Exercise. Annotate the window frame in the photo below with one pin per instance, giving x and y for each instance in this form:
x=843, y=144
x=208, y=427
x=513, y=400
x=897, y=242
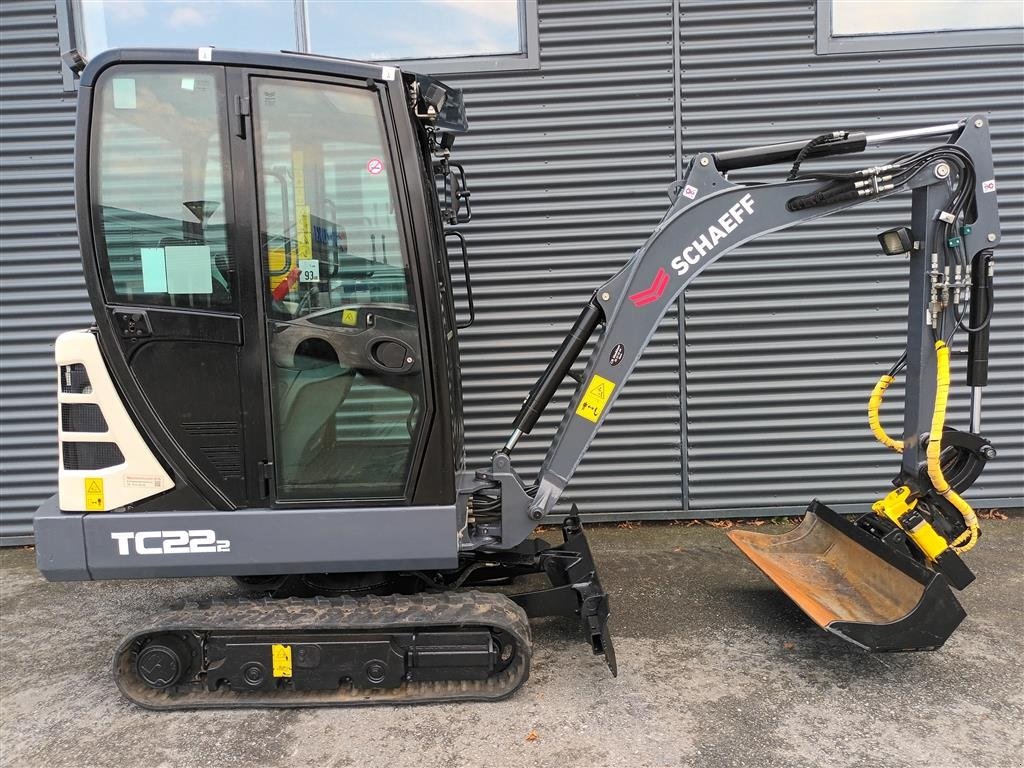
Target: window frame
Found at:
x=71, y=35
x=827, y=43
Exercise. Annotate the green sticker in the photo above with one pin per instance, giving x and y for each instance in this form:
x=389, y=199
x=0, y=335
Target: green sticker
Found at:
x=124, y=93
x=189, y=269
x=154, y=270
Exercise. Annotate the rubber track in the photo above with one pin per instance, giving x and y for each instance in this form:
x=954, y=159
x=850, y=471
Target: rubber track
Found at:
x=382, y=614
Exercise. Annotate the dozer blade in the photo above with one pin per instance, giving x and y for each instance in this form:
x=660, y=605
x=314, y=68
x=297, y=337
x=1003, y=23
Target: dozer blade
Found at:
x=854, y=585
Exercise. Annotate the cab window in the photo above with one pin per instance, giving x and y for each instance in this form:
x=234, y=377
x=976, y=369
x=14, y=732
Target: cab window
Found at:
x=343, y=331
x=159, y=175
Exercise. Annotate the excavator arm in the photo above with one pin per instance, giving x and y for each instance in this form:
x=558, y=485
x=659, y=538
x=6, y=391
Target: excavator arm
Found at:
x=953, y=215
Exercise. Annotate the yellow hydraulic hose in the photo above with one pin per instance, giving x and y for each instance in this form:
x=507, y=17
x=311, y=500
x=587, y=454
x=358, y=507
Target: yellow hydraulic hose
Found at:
x=874, y=404
x=969, y=537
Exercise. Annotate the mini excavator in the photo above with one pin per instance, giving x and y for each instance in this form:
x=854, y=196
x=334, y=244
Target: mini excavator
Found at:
x=271, y=389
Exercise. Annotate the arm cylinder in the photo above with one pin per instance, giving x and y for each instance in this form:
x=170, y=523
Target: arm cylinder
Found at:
x=981, y=313
x=785, y=152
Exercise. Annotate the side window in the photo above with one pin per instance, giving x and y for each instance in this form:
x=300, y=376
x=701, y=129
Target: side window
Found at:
x=346, y=368
x=159, y=174
x=330, y=232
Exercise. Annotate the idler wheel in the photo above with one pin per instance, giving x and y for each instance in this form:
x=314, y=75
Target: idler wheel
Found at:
x=163, y=661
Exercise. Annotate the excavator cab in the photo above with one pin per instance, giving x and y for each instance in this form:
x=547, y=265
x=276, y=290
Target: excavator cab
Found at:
x=270, y=237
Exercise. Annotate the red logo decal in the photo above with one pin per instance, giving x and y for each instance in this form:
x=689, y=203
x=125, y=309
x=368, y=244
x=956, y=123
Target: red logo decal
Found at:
x=375, y=166
x=657, y=288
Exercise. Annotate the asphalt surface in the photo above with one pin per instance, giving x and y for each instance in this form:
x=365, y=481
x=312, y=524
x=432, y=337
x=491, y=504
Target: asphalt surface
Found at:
x=716, y=668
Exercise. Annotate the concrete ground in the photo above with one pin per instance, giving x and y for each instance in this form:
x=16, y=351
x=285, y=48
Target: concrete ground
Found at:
x=716, y=668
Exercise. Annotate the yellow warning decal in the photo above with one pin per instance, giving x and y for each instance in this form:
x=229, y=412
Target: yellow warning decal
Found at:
x=349, y=316
x=303, y=232
x=282, y=660
x=94, y=494
x=299, y=177
x=599, y=390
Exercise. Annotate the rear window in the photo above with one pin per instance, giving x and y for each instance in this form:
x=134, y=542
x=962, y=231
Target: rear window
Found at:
x=159, y=174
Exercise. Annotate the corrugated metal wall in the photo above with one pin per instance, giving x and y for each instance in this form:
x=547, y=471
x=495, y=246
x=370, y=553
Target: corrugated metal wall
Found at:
x=569, y=166
x=41, y=288
x=785, y=338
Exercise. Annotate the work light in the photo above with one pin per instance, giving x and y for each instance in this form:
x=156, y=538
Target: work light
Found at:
x=896, y=241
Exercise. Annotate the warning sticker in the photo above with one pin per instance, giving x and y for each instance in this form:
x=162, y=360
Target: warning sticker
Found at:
x=599, y=390
x=304, y=233
x=94, y=494
x=689, y=191
x=299, y=178
x=349, y=317
x=374, y=166
x=281, y=656
x=988, y=186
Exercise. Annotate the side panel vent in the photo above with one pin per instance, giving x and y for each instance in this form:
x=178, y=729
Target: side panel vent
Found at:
x=82, y=417
x=74, y=380
x=211, y=427
x=91, y=455
x=226, y=459
x=104, y=462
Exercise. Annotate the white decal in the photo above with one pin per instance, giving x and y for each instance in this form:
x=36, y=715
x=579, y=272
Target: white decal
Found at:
x=689, y=191
x=142, y=481
x=169, y=542
x=988, y=186
x=309, y=270
x=388, y=73
x=725, y=224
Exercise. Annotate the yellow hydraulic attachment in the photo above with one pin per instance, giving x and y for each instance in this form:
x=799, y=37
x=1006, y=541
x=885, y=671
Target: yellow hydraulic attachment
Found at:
x=899, y=506
x=899, y=502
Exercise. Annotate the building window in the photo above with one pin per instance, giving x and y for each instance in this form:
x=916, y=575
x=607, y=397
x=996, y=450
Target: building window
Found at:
x=442, y=28
x=430, y=36
x=849, y=26
x=268, y=26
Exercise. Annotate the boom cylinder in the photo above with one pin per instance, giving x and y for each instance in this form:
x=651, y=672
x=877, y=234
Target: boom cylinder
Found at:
x=559, y=366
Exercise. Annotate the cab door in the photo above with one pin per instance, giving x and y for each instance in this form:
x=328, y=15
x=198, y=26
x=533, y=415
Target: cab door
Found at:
x=169, y=274
x=345, y=354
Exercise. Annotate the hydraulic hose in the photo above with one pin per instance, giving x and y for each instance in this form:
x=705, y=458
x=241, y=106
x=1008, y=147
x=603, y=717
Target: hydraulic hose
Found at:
x=874, y=405
x=969, y=537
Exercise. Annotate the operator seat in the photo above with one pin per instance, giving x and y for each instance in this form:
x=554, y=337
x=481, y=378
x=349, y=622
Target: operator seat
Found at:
x=310, y=393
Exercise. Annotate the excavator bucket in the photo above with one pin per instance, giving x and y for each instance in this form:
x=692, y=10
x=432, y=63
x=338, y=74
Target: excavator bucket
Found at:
x=854, y=585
